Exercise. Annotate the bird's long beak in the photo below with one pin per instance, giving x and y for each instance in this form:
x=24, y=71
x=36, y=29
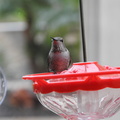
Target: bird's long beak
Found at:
x=52, y=38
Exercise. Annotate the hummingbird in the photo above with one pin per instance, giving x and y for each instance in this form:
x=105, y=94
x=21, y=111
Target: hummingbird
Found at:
x=59, y=57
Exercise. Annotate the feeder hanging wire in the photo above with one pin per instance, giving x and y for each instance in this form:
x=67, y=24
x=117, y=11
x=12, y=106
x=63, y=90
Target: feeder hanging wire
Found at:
x=82, y=30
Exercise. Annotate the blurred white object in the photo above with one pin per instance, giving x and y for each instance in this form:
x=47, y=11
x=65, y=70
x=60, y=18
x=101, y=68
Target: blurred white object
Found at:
x=2, y=86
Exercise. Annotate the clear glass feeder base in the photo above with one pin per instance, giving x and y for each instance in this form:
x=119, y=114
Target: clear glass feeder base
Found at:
x=89, y=118
x=79, y=118
x=83, y=105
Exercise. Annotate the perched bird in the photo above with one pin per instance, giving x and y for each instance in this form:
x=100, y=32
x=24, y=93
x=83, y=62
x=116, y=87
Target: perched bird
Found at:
x=59, y=56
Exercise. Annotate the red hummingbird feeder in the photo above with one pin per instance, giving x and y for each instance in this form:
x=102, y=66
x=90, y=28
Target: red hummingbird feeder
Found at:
x=89, y=76
x=86, y=91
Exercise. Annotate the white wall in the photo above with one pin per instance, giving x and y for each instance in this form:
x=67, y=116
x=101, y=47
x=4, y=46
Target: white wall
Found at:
x=102, y=21
x=91, y=18
x=110, y=32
